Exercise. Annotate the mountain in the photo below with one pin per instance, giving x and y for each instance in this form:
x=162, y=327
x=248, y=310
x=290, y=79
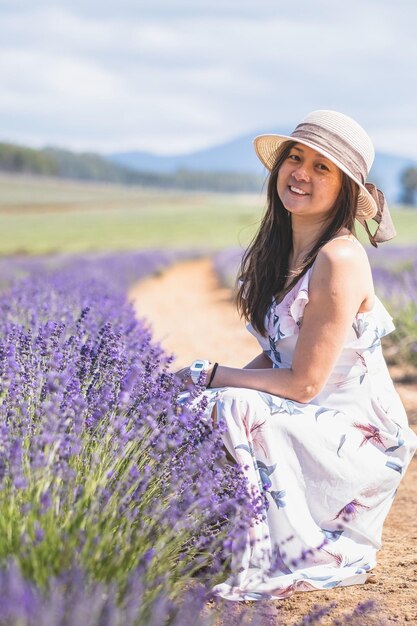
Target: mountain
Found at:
x=238, y=156
x=228, y=168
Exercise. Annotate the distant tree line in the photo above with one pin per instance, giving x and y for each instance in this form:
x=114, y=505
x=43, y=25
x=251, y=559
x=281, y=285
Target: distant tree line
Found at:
x=90, y=166
x=93, y=167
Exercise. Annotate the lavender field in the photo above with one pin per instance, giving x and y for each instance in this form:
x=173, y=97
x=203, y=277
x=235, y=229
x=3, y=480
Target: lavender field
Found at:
x=116, y=506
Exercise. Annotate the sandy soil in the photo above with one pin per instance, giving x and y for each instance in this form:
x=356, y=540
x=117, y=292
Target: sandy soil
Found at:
x=193, y=317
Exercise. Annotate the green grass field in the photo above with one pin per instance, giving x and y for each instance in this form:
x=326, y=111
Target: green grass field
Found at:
x=42, y=215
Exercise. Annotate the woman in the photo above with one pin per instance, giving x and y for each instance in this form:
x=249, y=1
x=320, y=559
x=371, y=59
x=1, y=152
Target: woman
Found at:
x=314, y=419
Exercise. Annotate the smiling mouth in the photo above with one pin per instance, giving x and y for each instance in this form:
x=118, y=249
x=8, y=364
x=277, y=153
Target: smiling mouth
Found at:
x=298, y=191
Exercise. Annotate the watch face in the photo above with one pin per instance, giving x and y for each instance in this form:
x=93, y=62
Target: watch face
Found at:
x=197, y=368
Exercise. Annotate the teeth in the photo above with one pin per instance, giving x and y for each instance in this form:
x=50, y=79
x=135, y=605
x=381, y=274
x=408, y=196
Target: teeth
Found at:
x=299, y=191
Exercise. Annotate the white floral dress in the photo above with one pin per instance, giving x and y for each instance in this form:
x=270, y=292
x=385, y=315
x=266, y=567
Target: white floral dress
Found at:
x=328, y=470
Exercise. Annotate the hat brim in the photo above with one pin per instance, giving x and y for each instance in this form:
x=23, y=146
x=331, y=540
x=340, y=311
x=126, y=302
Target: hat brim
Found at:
x=267, y=147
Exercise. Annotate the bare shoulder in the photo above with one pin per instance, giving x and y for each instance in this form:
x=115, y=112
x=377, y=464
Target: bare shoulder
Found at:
x=341, y=255
x=342, y=267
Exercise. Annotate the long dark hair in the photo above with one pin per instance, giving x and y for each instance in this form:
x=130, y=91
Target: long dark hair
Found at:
x=264, y=267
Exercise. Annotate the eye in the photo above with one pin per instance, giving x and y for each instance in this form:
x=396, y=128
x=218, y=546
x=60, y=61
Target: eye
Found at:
x=294, y=157
x=323, y=167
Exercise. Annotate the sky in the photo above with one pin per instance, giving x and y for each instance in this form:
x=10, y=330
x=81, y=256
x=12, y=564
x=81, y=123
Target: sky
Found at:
x=175, y=76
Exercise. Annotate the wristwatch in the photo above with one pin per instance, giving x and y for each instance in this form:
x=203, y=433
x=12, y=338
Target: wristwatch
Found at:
x=197, y=368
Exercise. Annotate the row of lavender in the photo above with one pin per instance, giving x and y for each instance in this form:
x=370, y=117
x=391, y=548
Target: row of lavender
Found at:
x=395, y=276
x=114, y=502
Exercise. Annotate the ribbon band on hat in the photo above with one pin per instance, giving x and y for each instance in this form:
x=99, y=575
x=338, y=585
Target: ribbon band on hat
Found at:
x=334, y=144
x=385, y=229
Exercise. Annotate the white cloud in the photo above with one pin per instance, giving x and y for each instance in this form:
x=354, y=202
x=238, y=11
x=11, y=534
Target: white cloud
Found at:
x=175, y=75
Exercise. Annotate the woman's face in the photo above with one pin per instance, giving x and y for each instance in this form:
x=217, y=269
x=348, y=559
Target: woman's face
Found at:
x=308, y=184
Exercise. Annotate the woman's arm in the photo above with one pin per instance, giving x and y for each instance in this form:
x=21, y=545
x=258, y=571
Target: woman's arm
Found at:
x=262, y=361
x=338, y=286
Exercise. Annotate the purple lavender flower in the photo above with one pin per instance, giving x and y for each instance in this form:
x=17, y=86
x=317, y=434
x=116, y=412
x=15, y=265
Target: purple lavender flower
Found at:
x=115, y=479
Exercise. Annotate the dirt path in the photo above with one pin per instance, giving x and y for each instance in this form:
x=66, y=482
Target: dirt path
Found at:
x=193, y=317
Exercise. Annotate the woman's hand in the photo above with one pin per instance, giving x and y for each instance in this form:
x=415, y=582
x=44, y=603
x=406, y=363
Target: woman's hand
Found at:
x=185, y=378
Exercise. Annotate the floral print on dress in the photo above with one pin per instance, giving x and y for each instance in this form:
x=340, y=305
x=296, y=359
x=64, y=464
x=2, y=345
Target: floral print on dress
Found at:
x=274, y=351
x=359, y=325
x=397, y=467
x=332, y=535
x=370, y=433
x=341, y=442
x=350, y=510
x=399, y=441
x=278, y=497
x=323, y=410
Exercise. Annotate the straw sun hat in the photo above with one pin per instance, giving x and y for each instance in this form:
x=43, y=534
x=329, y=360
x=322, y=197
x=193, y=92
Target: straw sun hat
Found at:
x=344, y=142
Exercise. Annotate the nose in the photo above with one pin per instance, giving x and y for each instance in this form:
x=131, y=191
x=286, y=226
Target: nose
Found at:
x=301, y=173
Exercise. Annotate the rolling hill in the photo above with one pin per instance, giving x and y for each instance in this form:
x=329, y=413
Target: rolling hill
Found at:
x=238, y=156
